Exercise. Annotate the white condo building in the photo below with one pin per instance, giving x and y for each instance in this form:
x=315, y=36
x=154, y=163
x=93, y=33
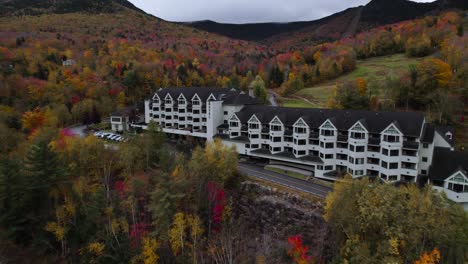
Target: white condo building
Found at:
x=393, y=146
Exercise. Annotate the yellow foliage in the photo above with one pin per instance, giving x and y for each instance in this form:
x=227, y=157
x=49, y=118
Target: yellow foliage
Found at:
x=150, y=245
x=56, y=229
x=96, y=248
x=177, y=233
x=33, y=119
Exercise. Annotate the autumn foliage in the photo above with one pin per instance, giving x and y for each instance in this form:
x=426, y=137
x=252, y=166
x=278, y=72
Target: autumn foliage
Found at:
x=298, y=251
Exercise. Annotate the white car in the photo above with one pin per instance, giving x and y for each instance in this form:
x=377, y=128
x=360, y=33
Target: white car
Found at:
x=118, y=138
x=112, y=137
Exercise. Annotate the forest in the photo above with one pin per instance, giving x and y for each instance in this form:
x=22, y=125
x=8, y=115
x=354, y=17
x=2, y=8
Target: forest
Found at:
x=66, y=199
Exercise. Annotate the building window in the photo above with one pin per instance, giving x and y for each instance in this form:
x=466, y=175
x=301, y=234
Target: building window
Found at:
x=394, y=152
x=168, y=101
x=328, y=168
x=351, y=160
x=358, y=135
x=275, y=128
x=384, y=165
x=327, y=132
x=385, y=152
x=181, y=118
x=196, y=101
x=359, y=172
x=394, y=165
x=300, y=130
x=254, y=146
x=424, y=159
x=423, y=172
x=233, y=134
x=351, y=148
x=301, y=142
x=329, y=156
x=276, y=139
x=253, y=125
x=196, y=112
x=254, y=136
x=329, y=145
x=391, y=139
x=319, y=167
x=360, y=148
x=359, y=161
x=196, y=120
x=234, y=124
x=181, y=101
x=301, y=152
x=392, y=178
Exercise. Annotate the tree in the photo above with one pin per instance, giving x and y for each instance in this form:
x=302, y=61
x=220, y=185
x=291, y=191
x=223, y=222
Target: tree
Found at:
x=177, y=233
x=380, y=223
x=258, y=86
x=293, y=84
x=298, y=251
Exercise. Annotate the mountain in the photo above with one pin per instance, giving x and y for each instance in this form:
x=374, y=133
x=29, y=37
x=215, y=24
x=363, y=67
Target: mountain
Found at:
x=260, y=31
x=38, y=7
x=350, y=21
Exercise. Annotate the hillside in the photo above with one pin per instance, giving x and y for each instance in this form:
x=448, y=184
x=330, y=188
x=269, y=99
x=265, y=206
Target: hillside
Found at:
x=38, y=7
x=342, y=24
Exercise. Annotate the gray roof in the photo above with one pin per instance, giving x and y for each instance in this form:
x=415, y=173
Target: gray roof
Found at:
x=229, y=96
x=410, y=123
x=446, y=162
x=429, y=133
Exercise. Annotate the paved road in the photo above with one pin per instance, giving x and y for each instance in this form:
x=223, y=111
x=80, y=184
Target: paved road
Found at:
x=302, y=185
x=272, y=98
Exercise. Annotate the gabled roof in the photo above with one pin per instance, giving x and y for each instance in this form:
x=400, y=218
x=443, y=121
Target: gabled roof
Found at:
x=446, y=162
x=430, y=130
x=229, y=96
x=410, y=123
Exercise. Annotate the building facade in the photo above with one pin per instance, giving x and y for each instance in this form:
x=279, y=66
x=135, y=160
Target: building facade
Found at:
x=393, y=146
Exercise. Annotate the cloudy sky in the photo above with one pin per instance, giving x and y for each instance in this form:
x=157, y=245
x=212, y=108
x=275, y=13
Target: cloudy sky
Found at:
x=246, y=11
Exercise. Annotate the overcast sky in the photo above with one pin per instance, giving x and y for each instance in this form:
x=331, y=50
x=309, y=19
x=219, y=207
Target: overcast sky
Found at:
x=246, y=11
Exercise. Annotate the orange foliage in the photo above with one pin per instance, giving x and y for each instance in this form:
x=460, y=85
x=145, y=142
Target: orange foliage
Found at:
x=33, y=119
x=432, y=257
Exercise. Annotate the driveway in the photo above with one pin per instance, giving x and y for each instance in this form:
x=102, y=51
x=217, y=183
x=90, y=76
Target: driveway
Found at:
x=78, y=130
x=285, y=180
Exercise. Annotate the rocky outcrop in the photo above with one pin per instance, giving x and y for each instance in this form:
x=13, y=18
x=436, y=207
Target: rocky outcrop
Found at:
x=278, y=214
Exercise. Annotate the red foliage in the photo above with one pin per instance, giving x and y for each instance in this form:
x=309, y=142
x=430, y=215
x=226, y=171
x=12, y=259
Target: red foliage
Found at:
x=298, y=251
x=137, y=232
x=217, y=198
x=120, y=187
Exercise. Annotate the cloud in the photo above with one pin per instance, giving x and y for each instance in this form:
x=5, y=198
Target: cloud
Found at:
x=246, y=11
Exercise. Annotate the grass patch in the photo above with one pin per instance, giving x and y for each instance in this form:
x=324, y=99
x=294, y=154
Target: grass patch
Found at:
x=292, y=102
x=378, y=69
x=286, y=172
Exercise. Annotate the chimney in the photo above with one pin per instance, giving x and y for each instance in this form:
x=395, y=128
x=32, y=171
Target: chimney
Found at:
x=251, y=92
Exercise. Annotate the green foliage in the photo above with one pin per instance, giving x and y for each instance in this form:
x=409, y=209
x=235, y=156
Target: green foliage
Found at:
x=258, y=85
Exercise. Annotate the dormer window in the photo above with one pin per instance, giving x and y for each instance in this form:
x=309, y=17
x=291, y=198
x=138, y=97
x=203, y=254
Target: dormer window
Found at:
x=448, y=135
x=168, y=100
x=276, y=125
x=196, y=101
x=234, y=124
x=156, y=100
x=300, y=127
x=181, y=101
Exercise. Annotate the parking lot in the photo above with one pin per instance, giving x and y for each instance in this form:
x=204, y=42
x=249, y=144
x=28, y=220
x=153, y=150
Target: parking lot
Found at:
x=110, y=136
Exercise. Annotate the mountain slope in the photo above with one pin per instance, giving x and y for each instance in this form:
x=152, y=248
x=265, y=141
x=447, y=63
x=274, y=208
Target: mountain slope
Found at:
x=375, y=13
x=38, y=7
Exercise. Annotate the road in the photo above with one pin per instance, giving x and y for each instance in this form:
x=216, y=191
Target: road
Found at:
x=301, y=185
x=272, y=99
x=78, y=130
